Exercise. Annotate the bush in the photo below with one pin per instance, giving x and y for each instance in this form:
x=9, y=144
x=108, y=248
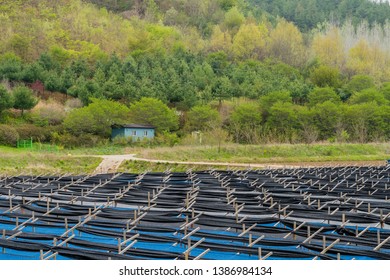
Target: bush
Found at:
x=166, y=139
x=8, y=135
x=70, y=141
x=124, y=141
x=48, y=113
x=40, y=134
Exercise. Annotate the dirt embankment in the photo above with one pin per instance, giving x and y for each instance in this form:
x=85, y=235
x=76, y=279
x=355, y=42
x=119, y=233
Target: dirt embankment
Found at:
x=111, y=163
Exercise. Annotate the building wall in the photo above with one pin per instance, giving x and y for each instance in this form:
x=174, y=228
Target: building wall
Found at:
x=139, y=133
x=136, y=133
x=117, y=132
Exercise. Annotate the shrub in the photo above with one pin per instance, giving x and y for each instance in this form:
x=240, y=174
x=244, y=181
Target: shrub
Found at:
x=48, y=113
x=40, y=134
x=71, y=141
x=8, y=135
x=165, y=138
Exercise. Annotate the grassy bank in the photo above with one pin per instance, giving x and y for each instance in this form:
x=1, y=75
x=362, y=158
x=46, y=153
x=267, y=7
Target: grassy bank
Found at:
x=17, y=161
x=131, y=166
x=283, y=153
x=20, y=161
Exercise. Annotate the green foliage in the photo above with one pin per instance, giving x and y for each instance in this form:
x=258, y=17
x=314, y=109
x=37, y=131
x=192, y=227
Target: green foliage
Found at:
x=385, y=90
x=245, y=122
x=5, y=99
x=325, y=76
x=308, y=14
x=267, y=101
x=10, y=66
x=23, y=98
x=368, y=95
x=8, y=135
x=150, y=111
x=321, y=95
x=359, y=83
x=39, y=134
x=166, y=139
x=96, y=118
x=202, y=118
x=326, y=118
x=233, y=18
x=70, y=141
x=227, y=4
x=247, y=115
x=283, y=119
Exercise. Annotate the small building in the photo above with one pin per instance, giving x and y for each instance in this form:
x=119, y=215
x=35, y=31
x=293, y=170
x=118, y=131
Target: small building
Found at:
x=135, y=131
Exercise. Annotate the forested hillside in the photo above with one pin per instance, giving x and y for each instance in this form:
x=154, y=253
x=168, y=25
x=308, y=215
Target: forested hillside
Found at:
x=262, y=71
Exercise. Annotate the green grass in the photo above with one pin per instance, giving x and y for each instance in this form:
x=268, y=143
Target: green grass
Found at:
x=283, y=153
x=23, y=161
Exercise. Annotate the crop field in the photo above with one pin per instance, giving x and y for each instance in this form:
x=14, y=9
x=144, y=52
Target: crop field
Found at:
x=304, y=213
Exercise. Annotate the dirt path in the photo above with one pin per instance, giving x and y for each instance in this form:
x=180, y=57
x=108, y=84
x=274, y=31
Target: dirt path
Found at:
x=111, y=163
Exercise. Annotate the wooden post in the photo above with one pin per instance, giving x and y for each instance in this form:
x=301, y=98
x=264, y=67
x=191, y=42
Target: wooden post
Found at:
x=185, y=228
x=236, y=213
x=378, y=236
x=17, y=221
x=323, y=242
x=188, y=246
x=41, y=254
x=369, y=208
x=66, y=224
x=295, y=226
x=382, y=222
x=148, y=199
x=259, y=253
x=3, y=234
x=119, y=245
x=338, y=256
